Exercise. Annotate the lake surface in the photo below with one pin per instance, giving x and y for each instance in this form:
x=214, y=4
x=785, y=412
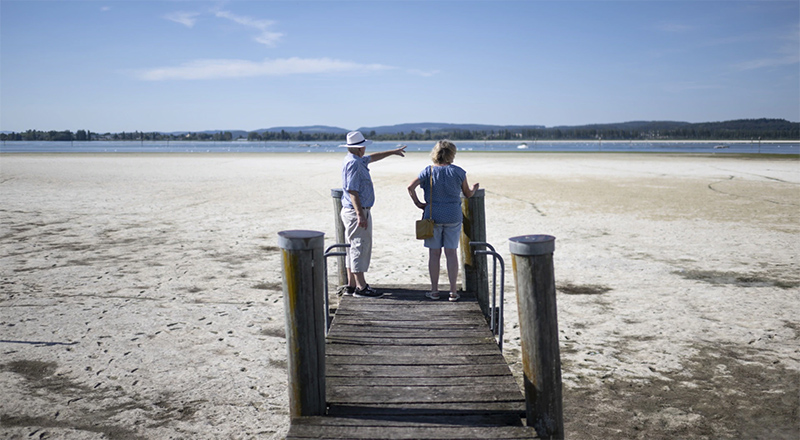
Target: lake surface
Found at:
x=332, y=147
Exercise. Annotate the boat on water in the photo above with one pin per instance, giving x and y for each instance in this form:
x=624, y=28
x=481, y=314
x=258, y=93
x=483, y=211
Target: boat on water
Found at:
x=522, y=146
x=717, y=147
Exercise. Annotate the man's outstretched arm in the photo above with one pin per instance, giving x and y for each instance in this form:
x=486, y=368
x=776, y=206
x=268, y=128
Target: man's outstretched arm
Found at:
x=374, y=157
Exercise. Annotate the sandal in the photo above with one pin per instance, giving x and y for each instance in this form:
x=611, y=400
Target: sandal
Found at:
x=432, y=295
x=454, y=296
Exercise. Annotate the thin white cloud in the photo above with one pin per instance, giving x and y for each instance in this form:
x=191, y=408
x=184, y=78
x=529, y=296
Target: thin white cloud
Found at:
x=784, y=52
x=423, y=73
x=105, y=8
x=762, y=63
x=264, y=36
x=221, y=68
x=187, y=19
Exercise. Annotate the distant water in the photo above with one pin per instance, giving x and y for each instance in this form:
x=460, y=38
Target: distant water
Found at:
x=332, y=147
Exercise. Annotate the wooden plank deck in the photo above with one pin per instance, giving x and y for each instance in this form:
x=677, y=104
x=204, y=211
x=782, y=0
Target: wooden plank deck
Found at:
x=403, y=366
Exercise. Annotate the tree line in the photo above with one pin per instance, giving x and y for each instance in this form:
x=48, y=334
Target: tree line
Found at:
x=744, y=129
x=86, y=135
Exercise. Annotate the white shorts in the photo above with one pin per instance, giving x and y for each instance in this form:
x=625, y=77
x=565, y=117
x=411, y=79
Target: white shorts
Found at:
x=360, y=239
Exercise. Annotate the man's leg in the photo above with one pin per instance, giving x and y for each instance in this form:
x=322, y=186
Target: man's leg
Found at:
x=350, y=222
x=359, y=255
x=351, y=279
x=359, y=280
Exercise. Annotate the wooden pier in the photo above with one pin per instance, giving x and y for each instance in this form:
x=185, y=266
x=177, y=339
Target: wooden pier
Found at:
x=405, y=367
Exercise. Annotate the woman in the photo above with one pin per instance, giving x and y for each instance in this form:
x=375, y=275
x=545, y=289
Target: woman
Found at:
x=449, y=182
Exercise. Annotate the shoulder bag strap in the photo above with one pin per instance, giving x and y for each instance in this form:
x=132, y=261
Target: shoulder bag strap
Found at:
x=430, y=212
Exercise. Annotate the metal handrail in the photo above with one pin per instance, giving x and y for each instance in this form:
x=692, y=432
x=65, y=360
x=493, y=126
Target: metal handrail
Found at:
x=327, y=254
x=495, y=327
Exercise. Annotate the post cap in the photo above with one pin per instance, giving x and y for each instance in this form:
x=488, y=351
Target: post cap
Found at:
x=301, y=240
x=532, y=244
x=479, y=193
x=336, y=193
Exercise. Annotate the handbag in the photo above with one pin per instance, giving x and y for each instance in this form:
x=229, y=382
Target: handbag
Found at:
x=425, y=226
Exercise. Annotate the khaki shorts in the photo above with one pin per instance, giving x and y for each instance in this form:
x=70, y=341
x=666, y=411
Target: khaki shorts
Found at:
x=360, y=239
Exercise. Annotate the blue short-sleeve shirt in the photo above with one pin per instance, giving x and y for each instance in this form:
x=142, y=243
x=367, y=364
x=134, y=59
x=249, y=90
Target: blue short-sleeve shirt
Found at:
x=355, y=177
x=446, y=193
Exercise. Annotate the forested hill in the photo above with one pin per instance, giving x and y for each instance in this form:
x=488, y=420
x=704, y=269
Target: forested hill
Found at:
x=742, y=129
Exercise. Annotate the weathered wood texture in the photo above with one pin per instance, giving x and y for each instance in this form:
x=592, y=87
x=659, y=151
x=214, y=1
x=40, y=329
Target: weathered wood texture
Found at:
x=541, y=359
x=475, y=268
x=305, y=320
x=406, y=367
x=341, y=270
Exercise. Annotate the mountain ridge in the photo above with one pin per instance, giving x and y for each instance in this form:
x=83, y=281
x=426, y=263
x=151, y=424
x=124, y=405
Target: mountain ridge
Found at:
x=421, y=127
x=768, y=128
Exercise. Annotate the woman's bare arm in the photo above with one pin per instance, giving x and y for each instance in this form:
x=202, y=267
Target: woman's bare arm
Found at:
x=466, y=189
x=412, y=191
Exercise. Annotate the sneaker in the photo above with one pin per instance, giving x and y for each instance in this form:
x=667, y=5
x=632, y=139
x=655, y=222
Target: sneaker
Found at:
x=367, y=292
x=454, y=296
x=432, y=295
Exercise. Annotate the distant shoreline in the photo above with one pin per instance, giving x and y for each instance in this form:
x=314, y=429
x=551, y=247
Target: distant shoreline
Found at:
x=467, y=153
x=494, y=141
x=332, y=147
x=625, y=141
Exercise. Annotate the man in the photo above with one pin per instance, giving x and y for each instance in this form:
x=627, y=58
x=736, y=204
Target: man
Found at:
x=358, y=196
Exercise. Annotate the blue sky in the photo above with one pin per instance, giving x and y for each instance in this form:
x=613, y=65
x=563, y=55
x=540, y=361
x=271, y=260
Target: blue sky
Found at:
x=127, y=65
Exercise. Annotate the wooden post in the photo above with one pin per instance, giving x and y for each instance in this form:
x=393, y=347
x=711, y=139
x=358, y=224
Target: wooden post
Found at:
x=336, y=194
x=475, y=269
x=304, y=307
x=532, y=258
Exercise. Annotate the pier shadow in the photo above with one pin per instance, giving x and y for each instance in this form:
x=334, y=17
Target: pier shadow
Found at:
x=416, y=292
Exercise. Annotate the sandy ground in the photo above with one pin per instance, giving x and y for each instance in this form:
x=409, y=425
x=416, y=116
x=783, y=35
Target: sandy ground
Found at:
x=140, y=295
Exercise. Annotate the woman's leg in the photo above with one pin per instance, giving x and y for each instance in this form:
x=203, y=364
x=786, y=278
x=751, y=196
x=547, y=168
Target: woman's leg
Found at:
x=452, y=268
x=433, y=267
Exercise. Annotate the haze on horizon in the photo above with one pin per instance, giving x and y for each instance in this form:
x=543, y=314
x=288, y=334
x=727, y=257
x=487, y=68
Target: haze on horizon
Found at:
x=114, y=66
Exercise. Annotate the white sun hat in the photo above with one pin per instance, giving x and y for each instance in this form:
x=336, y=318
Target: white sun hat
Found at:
x=355, y=140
